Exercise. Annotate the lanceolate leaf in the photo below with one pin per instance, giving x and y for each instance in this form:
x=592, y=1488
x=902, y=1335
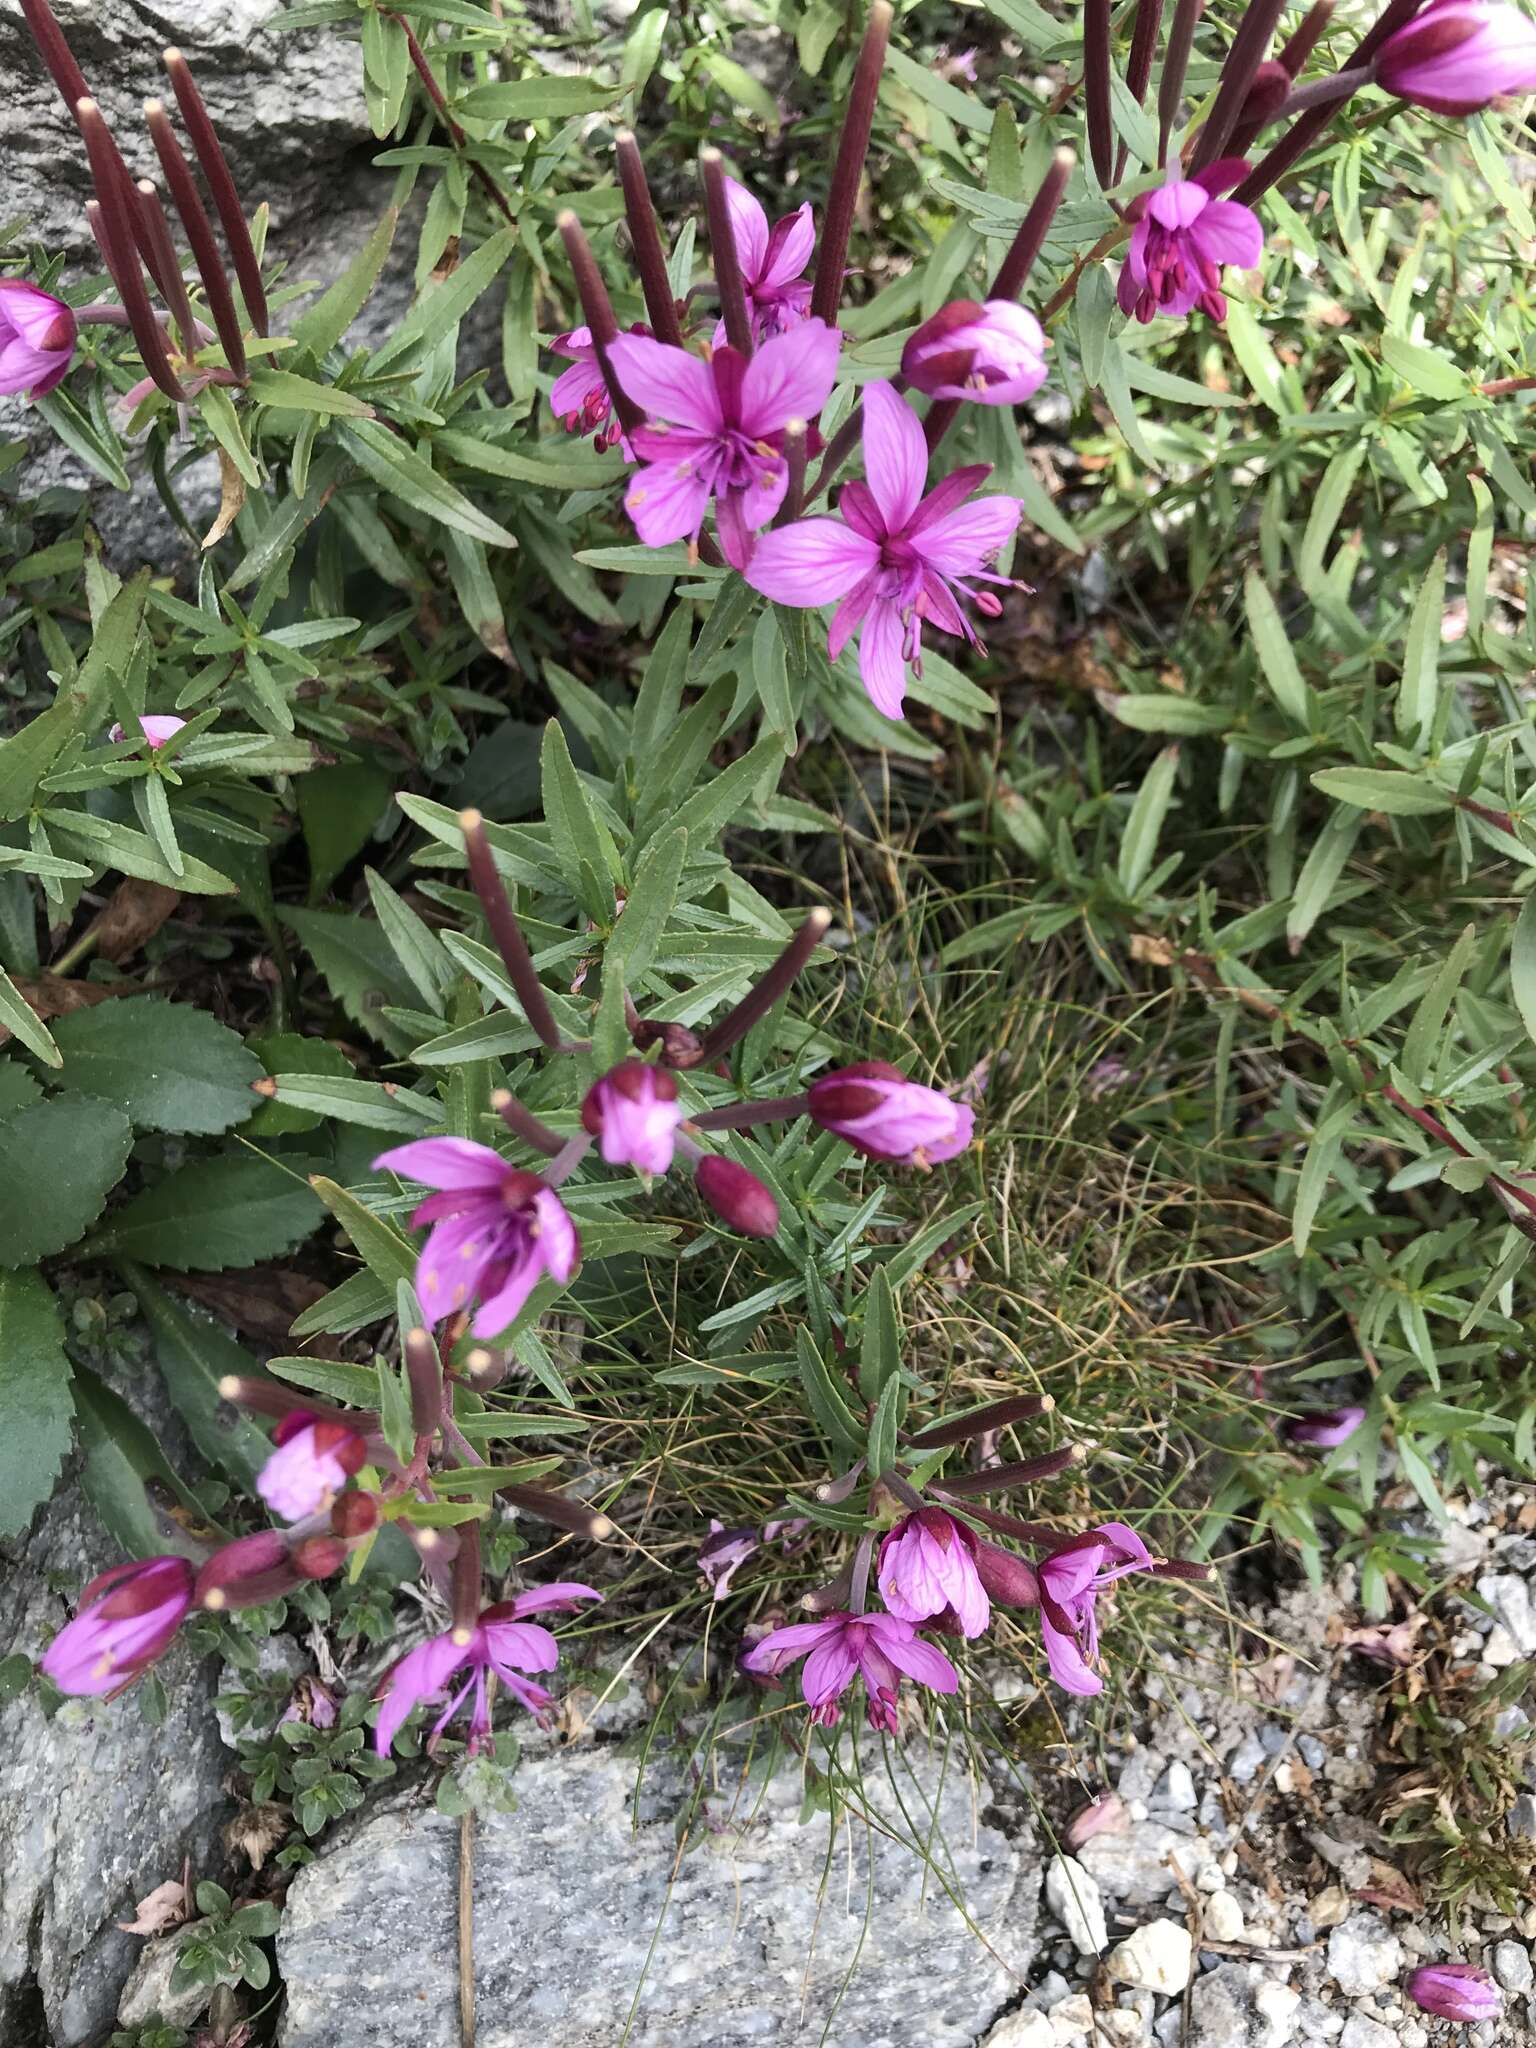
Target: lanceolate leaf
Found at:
x=193, y=1353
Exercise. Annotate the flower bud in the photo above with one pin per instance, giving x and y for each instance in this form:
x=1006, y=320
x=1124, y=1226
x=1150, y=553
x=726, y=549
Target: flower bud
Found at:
x=354, y=1516
x=1459, y=56
x=316, y=1557
x=633, y=1112
x=37, y=340
x=736, y=1196
x=1008, y=1578
x=1325, y=1428
x=1456, y=1991
x=882, y=1114
x=125, y=1620
x=247, y=1573
x=157, y=729
x=994, y=354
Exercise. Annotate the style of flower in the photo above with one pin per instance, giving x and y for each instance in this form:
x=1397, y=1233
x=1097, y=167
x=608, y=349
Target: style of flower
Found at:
x=501, y=1641
x=1323, y=1427
x=879, y=1648
x=633, y=1112
x=927, y=1572
x=125, y=1620
x=716, y=430
x=1070, y=1581
x=722, y=1553
x=1186, y=233
x=994, y=354
x=496, y=1231
x=158, y=728
x=877, y=1110
x=1456, y=1991
x=896, y=558
x=771, y=261
x=579, y=397
x=37, y=339
x=312, y=1462
x=1456, y=57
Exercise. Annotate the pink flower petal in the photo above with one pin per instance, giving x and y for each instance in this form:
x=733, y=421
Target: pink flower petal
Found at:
x=789, y=250
x=521, y=1644
x=668, y=382
x=962, y=541
x=749, y=225
x=829, y=1671
x=1228, y=233
x=811, y=562
x=420, y=1675
x=790, y=377
x=445, y=1163
x=667, y=501
x=882, y=665
x=895, y=455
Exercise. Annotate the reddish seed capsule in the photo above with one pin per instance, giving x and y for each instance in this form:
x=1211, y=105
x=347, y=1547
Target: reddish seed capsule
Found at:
x=736, y=1196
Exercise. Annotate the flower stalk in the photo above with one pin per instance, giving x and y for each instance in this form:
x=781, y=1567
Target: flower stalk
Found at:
x=848, y=170
x=598, y=308
x=200, y=236
x=506, y=931
x=645, y=241
x=724, y=255
x=215, y=166
x=735, y=1024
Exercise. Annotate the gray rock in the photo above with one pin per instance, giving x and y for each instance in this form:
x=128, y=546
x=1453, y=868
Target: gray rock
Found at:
x=1075, y=1900
x=1240, y=2005
x=1176, y=1788
x=1136, y=1867
x=148, y=1995
x=1360, y=2032
x=1156, y=1957
x=1021, y=2030
x=1512, y=1965
x=1521, y=1818
x=1223, y=1917
x=579, y=1917
x=97, y=1805
x=1510, y=1599
x=1364, y=1955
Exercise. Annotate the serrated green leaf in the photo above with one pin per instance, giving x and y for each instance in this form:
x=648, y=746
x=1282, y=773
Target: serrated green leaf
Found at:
x=193, y=1353
x=63, y=1157
x=214, y=1214
x=35, y=1397
x=167, y=1066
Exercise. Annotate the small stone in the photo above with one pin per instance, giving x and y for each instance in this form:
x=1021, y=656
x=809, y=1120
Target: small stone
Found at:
x=1364, y=1955
x=1241, y=2003
x=1510, y=1598
x=1521, y=1818
x=1246, y=1761
x=1077, y=1903
x=1329, y=1907
x=1313, y=1754
x=1122, y=2025
x=1275, y=2004
x=1360, y=2032
x=1500, y=1649
x=1072, y=2018
x=1156, y=1957
x=148, y=1995
x=1319, y=2022
x=1274, y=1739
x=1176, y=1788
x=1021, y=2030
x=1223, y=1917
x=1135, y=1868
x=1512, y=1966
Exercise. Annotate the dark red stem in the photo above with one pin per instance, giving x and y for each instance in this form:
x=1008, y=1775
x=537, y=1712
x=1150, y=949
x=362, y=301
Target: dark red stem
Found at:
x=848, y=171
x=506, y=931
x=645, y=241
x=200, y=236
x=210, y=154
x=598, y=311
x=724, y=255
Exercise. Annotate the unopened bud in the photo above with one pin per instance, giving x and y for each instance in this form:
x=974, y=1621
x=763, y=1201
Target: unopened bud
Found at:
x=485, y=1369
x=247, y=1573
x=318, y=1556
x=354, y=1515
x=424, y=1369
x=1008, y=1578
x=1106, y=1816
x=736, y=1196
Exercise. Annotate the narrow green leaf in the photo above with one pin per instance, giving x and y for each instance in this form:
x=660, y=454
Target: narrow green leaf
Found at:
x=1138, y=845
x=1417, y=693
x=1272, y=644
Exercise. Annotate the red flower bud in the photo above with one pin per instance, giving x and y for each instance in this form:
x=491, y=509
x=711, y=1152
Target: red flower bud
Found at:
x=1008, y=1578
x=247, y=1573
x=736, y=1196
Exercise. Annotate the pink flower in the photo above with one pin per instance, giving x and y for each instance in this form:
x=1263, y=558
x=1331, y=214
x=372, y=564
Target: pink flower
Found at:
x=1456, y=1991
x=496, y=1231
x=717, y=431
x=633, y=1112
x=736, y=1196
x=501, y=1641
x=125, y=1620
x=1184, y=236
x=312, y=1463
x=878, y=1648
x=1457, y=56
x=158, y=728
x=994, y=353
x=37, y=339
x=1324, y=1427
x=778, y=297
x=876, y=1109
x=722, y=1553
x=579, y=397
x=896, y=558
x=1071, y=1580
x=928, y=1572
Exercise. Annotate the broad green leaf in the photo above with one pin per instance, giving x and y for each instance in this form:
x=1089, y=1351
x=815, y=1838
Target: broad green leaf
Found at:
x=373, y=1105
x=35, y=1397
x=880, y=1344
x=63, y=1157
x=357, y=961
x=565, y=464
x=193, y=1353
x=167, y=1066
x=338, y=809
x=828, y=1402
x=285, y=1052
x=440, y=309
x=1426, y=369
x=106, y=844
x=1422, y=1038
x=1317, y=1170
x=231, y=1211
x=420, y=952
x=638, y=932
x=1522, y=965
x=121, y=1455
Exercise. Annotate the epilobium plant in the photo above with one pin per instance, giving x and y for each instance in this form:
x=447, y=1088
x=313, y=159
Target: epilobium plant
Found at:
x=598, y=877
